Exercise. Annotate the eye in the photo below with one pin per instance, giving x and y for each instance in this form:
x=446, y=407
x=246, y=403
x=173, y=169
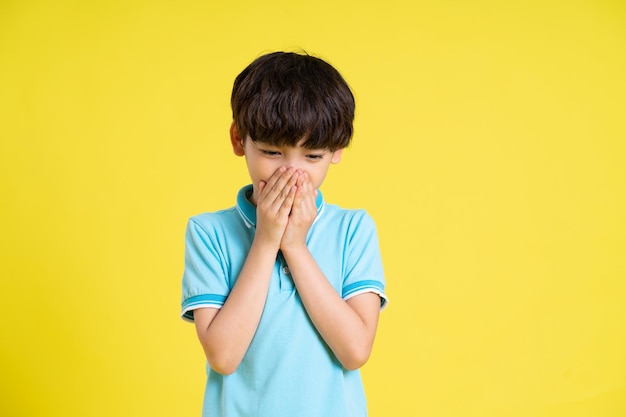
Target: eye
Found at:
x=315, y=156
x=270, y=152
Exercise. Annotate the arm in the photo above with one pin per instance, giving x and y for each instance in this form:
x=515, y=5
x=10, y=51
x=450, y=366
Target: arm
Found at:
x=226, y=333
x=348, y=327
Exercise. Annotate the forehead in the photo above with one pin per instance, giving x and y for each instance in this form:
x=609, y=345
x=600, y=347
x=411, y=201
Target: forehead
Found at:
x=284, y=144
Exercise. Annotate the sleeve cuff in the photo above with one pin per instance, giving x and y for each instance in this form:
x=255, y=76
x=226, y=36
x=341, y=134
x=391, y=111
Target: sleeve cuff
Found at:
x=200, y=301
x=361, y=287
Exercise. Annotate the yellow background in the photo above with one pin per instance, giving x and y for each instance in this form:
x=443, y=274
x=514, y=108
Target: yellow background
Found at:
x=489, y=147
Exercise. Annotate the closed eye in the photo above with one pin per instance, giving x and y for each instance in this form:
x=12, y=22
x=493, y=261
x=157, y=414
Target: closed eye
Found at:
x=270, y=153
x=315, y=156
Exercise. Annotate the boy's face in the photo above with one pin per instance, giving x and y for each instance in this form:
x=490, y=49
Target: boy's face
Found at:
x=263, y=160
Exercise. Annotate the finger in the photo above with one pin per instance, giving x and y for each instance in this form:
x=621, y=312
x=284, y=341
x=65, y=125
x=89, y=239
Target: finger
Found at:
x=271, y=182
x=288, y=202
x=297, y=199
x=310, y=193
x=284, y=186
x=301, y=177
x=280, y=199
x=307, y=188
x=303, y=204
x=277, y=183
x=284, y=180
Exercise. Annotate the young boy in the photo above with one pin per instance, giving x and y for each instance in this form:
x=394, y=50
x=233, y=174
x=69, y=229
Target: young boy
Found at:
x=285, y=289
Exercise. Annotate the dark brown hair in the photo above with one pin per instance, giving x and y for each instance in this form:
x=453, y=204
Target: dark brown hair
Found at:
x=283, y=98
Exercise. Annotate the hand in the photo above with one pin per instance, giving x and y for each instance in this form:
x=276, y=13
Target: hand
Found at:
x=303, y=213
x=274, y=202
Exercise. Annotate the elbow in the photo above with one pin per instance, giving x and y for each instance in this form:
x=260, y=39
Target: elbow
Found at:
x=223, y=366
x=223, y=369
x=222, y=362
x=355, y=359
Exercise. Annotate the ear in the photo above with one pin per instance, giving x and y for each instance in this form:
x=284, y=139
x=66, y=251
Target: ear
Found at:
x=336, y=158
x=236, y=140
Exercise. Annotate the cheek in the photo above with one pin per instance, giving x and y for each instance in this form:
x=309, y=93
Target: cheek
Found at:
x=262, y=169
x=317, y=176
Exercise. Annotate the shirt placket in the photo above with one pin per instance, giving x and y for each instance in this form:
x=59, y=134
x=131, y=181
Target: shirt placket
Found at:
x=285, y=282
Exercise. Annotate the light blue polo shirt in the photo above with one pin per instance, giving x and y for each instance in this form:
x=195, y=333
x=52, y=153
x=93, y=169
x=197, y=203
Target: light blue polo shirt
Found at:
x=288, y=369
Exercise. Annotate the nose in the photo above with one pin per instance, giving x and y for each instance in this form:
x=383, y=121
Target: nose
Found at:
x=294, y=163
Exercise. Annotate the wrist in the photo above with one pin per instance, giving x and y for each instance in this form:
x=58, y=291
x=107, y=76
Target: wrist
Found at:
x=294, y=248
x=267, y=245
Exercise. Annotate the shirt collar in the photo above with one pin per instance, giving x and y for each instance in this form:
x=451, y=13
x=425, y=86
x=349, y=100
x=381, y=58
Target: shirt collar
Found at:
x=247, y=210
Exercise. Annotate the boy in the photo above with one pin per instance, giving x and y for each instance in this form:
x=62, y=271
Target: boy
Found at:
x=285, y=289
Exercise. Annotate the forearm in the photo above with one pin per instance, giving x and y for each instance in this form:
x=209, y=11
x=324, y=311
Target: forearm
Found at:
x=349, y=332
x=227, y=336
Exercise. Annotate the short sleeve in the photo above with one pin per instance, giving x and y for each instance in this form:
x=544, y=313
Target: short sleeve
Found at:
x=362, y=260
x=205, y=282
